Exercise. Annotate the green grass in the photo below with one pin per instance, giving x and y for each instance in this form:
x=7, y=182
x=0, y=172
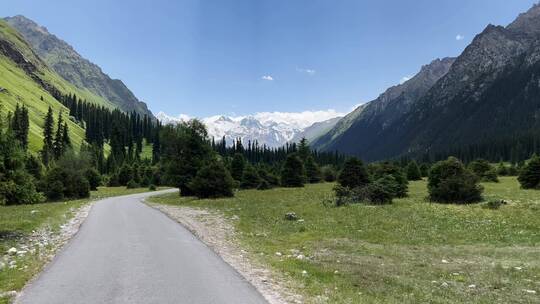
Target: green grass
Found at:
x=20, y=88
x=409, y=252
x=18, y=222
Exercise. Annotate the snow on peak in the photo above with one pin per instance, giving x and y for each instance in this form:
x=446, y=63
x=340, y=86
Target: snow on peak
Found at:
x=273, y=129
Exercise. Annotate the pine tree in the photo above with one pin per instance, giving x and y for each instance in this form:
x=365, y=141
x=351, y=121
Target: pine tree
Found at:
x=313, y=171
x=48, y=147
x=237, y=166
x=65, y=136
x=250, y=178
x=58, y=140
x=293, y=173
x=413, y=171
x=354, y=174
x=303, y=149
x=529, y=175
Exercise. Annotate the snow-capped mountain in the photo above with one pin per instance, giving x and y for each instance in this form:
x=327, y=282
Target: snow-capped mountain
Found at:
x=273, y=129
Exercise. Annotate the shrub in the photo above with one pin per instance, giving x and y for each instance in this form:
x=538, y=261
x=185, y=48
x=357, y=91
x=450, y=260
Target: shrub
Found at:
x=424, y=169
x=132, y=184
x=413, y=171
x=376, y=193
x=398, y=184
x=484, y=170
x=502, y=170
x=113, y=181
x=250, y=178
x=313, y=171
x=329, y=174
x=19, y=189
x=70, y=171
x=529, y=175
x=496, y=204
x=125, y=175
x=450, y=182
x=354, y=174
x=271, y=179
x=152, y=187
x=212, y=181
x=93, y=177
x=264, y=185
x=55, y=191
x=293, y=173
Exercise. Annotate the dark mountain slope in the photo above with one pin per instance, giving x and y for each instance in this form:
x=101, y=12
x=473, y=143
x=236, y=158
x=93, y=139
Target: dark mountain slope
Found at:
x=63, y=59
x=491, y=94
x=361, y=129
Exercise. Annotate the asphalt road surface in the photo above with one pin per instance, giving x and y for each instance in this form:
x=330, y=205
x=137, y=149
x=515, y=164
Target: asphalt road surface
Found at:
x=127, y=252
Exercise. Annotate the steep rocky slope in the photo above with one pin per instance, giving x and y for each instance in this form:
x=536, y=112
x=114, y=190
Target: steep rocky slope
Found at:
x=361, y=128
x=82, y=73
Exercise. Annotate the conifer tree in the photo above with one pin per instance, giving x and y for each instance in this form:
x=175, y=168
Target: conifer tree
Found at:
x=413, y=171
x=313, y=171
x=293, y=173
x=59, y=140
x=48, y=147
x=529, y=176
x=65, y=136
x=250, y=178
x=237, y=166
x=354, y=174
x=303, y=149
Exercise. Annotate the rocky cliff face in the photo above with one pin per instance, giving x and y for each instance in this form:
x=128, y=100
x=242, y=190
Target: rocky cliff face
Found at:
x=362, y=127
x=489, y=93
x=63, y=59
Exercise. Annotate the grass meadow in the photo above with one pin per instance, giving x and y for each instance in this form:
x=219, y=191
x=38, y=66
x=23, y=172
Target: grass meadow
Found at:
x=412, y=251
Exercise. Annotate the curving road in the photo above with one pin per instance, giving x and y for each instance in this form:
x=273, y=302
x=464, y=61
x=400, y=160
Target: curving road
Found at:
x=127, y=252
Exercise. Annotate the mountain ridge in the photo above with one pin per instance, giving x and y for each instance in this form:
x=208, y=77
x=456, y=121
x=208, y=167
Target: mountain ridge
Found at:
x=79, y=71
x=486, y=96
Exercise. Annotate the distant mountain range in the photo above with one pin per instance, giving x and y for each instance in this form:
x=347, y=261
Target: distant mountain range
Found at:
x=487, y=99
x=271, y=129
x=82, y=73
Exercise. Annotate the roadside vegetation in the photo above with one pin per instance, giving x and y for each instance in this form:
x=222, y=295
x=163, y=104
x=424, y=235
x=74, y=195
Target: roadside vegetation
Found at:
x=24, y=225
x=410, y=251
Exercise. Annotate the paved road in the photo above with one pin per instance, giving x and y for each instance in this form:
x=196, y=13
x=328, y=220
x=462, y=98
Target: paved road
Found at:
x=127, y=252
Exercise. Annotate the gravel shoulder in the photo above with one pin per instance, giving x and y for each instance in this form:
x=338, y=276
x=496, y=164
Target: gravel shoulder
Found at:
x=218, y=233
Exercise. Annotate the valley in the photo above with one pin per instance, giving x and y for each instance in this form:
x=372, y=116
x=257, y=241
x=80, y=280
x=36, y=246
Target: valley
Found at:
x=428, y=193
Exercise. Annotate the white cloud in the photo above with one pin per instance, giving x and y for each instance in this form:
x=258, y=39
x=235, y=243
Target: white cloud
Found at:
x=307, y=71
x=460, y=37
x=405, y=79
x=267, y=77
x=298, y=119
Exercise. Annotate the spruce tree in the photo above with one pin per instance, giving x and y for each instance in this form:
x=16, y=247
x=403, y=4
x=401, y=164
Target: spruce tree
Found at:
x=354, y=174
x=529, y=175
x=413, y=171
x=65, y=136
x=293, y=173
x=303, y=149
x=250, y=178
x=313, y=171
x=48, y=147
x=237, y=166
x=58, y=139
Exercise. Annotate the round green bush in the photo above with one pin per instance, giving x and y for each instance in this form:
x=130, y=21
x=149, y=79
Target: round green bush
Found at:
x=132, y=184
x=529, y=175
x=450, y=182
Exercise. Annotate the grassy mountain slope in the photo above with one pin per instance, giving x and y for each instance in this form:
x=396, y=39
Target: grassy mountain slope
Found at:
x=24, y=79
x=69, y=64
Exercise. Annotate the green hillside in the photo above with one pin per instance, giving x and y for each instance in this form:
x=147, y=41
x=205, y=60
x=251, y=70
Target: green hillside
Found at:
x=24, y=78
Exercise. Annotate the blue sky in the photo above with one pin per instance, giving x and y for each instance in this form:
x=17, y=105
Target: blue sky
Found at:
x=236, y=57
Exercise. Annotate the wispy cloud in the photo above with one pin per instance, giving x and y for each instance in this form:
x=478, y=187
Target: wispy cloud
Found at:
x=460, y=37
x=267, y=77
x=307, y=71
x=405, y=79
